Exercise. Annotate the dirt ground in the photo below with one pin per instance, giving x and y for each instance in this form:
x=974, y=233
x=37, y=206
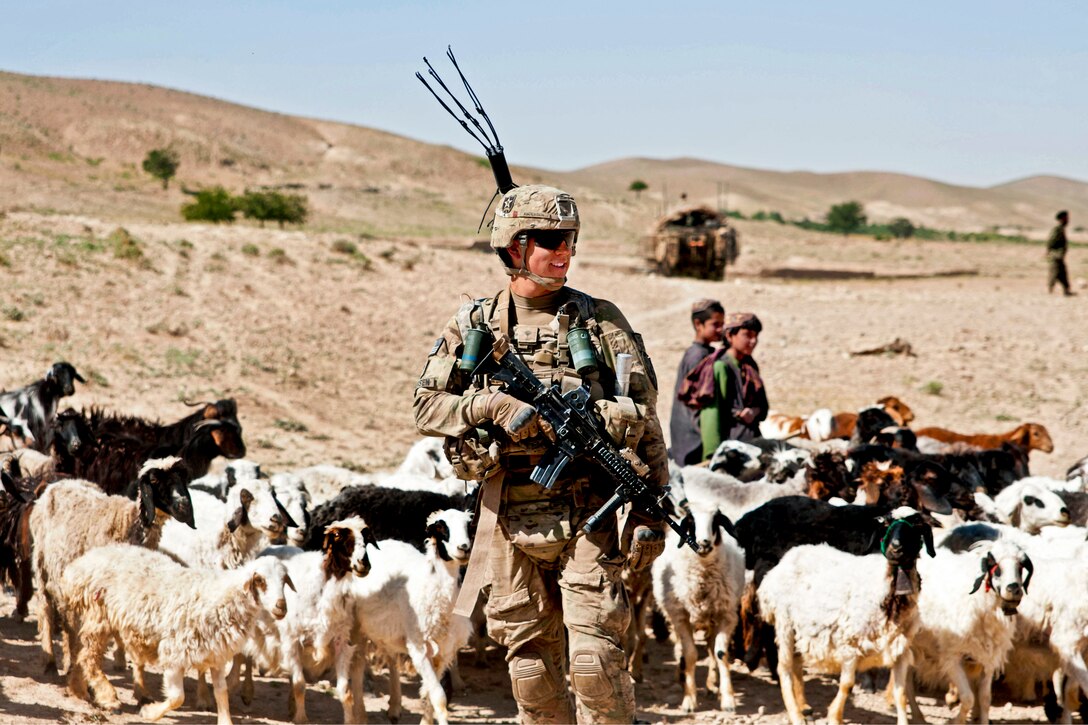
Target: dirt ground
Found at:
x=321, y=343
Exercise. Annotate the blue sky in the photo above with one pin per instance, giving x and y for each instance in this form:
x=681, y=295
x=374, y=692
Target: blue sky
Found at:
x=975, y=93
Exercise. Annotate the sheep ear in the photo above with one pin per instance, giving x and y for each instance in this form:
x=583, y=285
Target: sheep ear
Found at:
x=927, y=537
x=256, y=585
x=1029, y=568
x=240, y=518
x=288, y=583
x=369, y=539
x=147, y=498
x=283, y=511
x=439, y=530
x=687, y=528
x=978, y=583
x=723, y=521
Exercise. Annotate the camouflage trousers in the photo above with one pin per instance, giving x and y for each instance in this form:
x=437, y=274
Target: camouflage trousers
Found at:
x=1056, y=273
x=551, y=593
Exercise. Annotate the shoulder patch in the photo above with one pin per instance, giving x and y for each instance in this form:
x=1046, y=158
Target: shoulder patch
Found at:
x=437, y=346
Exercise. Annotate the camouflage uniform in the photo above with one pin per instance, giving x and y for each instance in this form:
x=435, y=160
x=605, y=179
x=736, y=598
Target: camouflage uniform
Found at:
x=1056, y=246
x=544, y=574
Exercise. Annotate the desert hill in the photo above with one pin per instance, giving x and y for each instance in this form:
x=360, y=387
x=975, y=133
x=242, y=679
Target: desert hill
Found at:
x=75, y=146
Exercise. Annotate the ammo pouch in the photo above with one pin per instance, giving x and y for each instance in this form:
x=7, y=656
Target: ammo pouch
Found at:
x=624, y=420
x=473, y=456
x=539, y=528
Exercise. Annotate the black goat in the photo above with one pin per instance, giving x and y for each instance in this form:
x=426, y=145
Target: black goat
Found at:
x=29, y=411
x=871, y=421
x=125, y=442
x=768, y=532
x=390, y=513
x=16, y=503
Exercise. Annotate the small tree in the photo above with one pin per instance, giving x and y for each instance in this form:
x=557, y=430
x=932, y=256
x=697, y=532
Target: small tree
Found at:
x=638, y=186
x=212, y=205
x=901, y=228
x=273, y=206
x=162, y=164
x=846, y=217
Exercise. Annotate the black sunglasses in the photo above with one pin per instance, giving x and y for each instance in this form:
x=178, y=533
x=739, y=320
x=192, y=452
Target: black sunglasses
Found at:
x=552, y=239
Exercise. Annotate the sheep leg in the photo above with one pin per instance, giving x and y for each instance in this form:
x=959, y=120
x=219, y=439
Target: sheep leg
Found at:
x=899, y=688
x=95, y=635
x=728, y=698
x=967, y=695
x=203, y=696
x=688, y=658
x=358, y=672
x=247, y=684
x=846, y=684
x=173, y=685
x=222, y=696
x=434, y=705
x=47, y=621
x=985, y=695
x=296, y=700
x=345, y=653
x=915, y=711
x=394, y=688
x=139, y=687
x=119, y=664
x=786, y=673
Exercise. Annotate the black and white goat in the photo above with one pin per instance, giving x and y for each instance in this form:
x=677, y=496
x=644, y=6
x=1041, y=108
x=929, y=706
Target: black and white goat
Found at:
x=30, y=410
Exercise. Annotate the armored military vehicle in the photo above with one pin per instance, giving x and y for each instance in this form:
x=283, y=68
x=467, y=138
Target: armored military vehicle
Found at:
x=693, y=242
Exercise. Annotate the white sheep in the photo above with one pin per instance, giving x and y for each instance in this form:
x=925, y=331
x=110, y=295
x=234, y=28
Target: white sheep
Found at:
x=701, y=591
x=405, y=606
x=967, y=618
x=74, y=516
x=1029, y=505
x=315, y=634
x=836, y=611
x=732, y=497
x=426, y=457
x=321, y=482
x=165, y=613
x=228, y=533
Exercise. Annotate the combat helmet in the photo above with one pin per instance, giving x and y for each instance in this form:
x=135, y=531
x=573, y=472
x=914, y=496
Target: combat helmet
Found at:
x=526, y=208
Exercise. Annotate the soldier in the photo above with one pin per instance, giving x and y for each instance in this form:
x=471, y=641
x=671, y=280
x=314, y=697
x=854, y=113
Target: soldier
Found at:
x=1055, y=255
x=552, y=588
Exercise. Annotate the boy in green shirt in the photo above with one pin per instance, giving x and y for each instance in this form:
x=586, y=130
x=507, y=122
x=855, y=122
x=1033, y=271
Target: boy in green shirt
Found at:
x=740, y=399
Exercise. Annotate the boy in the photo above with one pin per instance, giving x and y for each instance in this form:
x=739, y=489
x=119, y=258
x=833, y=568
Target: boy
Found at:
x=740, y=400
x=708, y=318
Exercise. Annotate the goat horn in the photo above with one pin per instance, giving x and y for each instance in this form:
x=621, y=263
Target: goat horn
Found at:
x=210, y=423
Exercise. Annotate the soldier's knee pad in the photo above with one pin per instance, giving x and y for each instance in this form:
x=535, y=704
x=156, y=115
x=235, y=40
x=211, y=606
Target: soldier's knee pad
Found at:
x=588, y=677
x=532, y=680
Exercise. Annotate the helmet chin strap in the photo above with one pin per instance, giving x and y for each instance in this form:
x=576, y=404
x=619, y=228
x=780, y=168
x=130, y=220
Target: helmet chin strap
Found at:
x=552, y=284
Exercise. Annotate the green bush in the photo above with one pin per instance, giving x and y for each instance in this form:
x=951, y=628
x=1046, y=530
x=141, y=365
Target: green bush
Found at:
x=124, y=245
x=933, y=387
x=901, y=228
x=273, y=206
x=846, y=217
x=212, y=205
x=251, y=250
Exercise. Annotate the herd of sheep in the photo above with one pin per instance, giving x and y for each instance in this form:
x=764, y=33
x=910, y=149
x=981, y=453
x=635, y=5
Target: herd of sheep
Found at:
x=912, y=550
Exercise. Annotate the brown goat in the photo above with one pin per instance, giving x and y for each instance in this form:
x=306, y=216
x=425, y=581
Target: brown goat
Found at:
x=1029, y=436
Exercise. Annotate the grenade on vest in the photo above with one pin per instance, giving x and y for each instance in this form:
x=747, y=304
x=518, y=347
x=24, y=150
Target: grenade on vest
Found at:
x=581, y=351
x=470, y=356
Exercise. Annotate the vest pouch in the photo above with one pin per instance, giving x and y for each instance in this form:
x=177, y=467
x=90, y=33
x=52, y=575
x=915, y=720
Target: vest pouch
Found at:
x=540, y=529
x=471, y=456
x=623, y=420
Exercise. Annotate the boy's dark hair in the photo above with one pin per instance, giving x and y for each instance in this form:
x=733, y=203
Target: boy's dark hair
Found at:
x=1063, y=214
x=703, y=310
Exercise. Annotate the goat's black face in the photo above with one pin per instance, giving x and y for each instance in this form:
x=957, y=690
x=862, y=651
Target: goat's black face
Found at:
x=904, y=539
x=71, y=432
x=933, y=483
x=169, y=491
x=63, y=375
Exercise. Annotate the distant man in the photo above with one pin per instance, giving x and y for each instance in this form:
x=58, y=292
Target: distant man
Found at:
x=1055, y=255
x=708, y=318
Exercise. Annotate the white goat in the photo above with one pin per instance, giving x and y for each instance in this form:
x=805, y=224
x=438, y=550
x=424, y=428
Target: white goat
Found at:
x=837, y=611
x=168, y=614
x=72, y=517
x=427, y=458
x=961, y=623
x=1029, y=505
x=315, y=634
x=732, y=497
x=701, y=591
x=405, y=606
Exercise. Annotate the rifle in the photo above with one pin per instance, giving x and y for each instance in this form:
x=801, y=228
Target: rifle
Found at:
x=578, y=431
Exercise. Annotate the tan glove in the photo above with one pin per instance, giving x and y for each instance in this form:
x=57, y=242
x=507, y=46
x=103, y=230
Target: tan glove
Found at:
x=519, y=420
x=646, y=545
